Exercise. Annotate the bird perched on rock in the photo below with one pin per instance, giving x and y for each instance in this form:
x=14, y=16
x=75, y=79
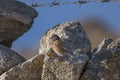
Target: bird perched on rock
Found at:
x=58, y=45
x=51, y=53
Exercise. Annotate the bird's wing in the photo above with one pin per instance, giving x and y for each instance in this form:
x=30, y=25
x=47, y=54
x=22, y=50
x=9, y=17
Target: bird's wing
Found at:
x=61, y=44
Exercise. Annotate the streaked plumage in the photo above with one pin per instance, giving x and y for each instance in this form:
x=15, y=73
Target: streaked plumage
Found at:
x=58, y=45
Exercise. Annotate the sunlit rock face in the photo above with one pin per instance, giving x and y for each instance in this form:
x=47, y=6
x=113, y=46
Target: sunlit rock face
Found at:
x=66, y=68
x=105, y=62
x=15, y=19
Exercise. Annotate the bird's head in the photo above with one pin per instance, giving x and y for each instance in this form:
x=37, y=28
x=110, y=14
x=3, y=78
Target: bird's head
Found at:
x=54, y=37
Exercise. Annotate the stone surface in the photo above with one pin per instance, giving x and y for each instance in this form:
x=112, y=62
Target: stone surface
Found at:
x=105, y=63
x=15, y=19
x=72, y=34
x=8, y=59
x=65, y=68
x=29, y=70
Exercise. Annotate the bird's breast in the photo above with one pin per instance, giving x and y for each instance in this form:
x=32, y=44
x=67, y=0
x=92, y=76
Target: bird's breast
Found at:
x=59, y=50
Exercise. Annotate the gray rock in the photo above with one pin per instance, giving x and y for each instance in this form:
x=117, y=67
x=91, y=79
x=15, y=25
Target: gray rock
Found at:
x=15, y=19
x=68, y=67
x=73, y=35
x=103, y=45
x=65, y=68
x=105, y=63
x=29, y=70
x=8, y=59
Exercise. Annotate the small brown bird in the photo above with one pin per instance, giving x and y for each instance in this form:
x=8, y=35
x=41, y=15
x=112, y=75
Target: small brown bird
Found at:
x=58, y=45
x=50, y=53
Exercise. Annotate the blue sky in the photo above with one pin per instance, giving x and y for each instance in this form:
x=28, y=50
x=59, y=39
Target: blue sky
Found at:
x=50, y=16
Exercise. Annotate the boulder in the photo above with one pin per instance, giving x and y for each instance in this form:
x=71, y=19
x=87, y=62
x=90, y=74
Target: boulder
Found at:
x=8, y=59
x=65, y=68
x=15, y=19
x=29, y=70
x=72, y=34
x=105, y=62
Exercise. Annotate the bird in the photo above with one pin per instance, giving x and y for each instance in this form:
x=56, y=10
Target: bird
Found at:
x=58, y=45
x=51, y=53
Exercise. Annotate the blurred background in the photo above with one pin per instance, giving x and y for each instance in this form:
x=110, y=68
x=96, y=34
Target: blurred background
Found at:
x=100, y=20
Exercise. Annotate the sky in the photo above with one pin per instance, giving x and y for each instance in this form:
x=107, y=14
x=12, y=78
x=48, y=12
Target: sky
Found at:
x=50, y=16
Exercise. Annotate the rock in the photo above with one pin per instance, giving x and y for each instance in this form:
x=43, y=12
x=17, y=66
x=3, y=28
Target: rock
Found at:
x=15, y=19
x=29, y=70
x=8, y=59
x=72, y=34
x=65, y=68
x=103, y=44
x=105, y=63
